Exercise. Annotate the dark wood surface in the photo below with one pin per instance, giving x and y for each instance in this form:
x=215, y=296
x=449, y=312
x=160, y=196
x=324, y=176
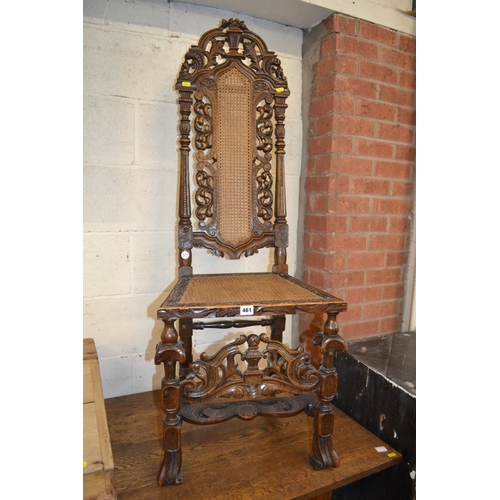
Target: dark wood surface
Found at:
x=264, y=458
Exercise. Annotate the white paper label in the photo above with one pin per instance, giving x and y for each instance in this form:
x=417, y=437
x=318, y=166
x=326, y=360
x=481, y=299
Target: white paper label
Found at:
x=380, y=449
x=246, y=310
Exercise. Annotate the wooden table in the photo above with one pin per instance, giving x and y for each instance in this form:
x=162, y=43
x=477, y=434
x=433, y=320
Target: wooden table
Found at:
x=265, y=458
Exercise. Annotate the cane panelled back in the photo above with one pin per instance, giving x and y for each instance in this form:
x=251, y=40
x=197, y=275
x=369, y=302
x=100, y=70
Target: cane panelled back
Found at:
x=232, y=95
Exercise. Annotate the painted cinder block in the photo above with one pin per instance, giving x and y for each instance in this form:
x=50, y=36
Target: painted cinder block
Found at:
x=128, y=199
x=131, y=62
x=190, y=21
x=123, y=324
x=131, y=65
x=108, y=131
x=151, y=258
x=106, y=269
x=157, y=138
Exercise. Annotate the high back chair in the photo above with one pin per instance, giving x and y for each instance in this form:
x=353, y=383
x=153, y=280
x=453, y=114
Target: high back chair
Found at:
x=232, y=97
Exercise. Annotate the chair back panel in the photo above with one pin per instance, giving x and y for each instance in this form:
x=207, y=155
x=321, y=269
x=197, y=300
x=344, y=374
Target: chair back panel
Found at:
x=236, y=90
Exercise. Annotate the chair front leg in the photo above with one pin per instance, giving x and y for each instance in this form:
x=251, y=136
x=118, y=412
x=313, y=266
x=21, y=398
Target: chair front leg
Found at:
x=170, y=351
x=323, y=454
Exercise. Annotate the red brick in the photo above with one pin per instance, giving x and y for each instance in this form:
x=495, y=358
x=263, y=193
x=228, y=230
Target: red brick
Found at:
x=399, y=225
x=335, y=63
x=374, y=71
x=318, y=145
x=398, y=133
x=352, y=165
x=405, y=153
x=359, y=329
x=407, y=79
x=319, y=279
x=398, y=58
x=382, y=276
x=353, y=126
x=374, y=148
x=407, y=43
x=354, y=86
x=335, y=261
x=370, y=186
x=351, y=204
x=396, y=95
x=348, y=243
x=328, y=45
x=378, y=33
x=322, y=164
x=390, y=206
x=372, y=224
x=354, y=46
x=380, y=310
x=347, y=279
x=390, y=325
x=321, y=241
x=353, y=313
x=359, y=295
x=319, y=203
x=407, y=116
x=338, y=23
x=332, y=104
x=326, y=223
x=314, y=259
x=378, y=110
x=323, y=124
x=327, y=184
x=393, y=291
x=387, y=242
x=366, y=260
x=393, y=170
x=402, y=188
x=397, y=259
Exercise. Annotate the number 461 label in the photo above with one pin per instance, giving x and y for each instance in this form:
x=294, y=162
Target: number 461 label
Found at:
x=246, y=310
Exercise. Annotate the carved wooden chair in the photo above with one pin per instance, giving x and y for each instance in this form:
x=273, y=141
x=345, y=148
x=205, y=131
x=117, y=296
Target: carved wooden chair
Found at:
x=236, y=89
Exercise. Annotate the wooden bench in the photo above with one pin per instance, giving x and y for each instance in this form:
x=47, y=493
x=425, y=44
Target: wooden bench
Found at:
x=97, y=455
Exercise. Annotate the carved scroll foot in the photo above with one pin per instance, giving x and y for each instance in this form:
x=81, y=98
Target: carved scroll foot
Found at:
x=323, y=455
x=322, y=447
x=170, y=470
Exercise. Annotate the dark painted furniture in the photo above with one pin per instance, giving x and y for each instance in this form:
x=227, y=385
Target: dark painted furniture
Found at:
x=378, y=390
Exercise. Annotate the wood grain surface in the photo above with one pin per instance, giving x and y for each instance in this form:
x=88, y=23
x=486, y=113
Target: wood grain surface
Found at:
x=265, y=458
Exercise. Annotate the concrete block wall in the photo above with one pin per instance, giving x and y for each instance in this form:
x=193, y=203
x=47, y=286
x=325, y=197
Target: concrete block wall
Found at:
x=132, y=54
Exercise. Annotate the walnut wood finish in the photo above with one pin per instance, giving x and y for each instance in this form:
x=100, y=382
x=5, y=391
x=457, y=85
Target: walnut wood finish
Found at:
x=232, y=100
x=261, y=459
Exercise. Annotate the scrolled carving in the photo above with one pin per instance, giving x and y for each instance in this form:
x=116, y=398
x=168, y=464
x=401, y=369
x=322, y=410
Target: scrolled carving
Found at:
x=264, y=193
x=265, y=125
x=217, y=49
x=204, y=195
x=202, y=121
x=250, y=52
x=218, y=376
x=272, y=66
x=193, y=61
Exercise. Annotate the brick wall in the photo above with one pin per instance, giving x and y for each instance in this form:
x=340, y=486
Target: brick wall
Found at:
x=360, y=174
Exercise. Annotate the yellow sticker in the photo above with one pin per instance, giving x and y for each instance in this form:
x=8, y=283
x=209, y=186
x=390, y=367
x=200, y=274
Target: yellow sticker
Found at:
x=280, y=89
x=186, y=84
x=391, y=455
x=84, y=464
